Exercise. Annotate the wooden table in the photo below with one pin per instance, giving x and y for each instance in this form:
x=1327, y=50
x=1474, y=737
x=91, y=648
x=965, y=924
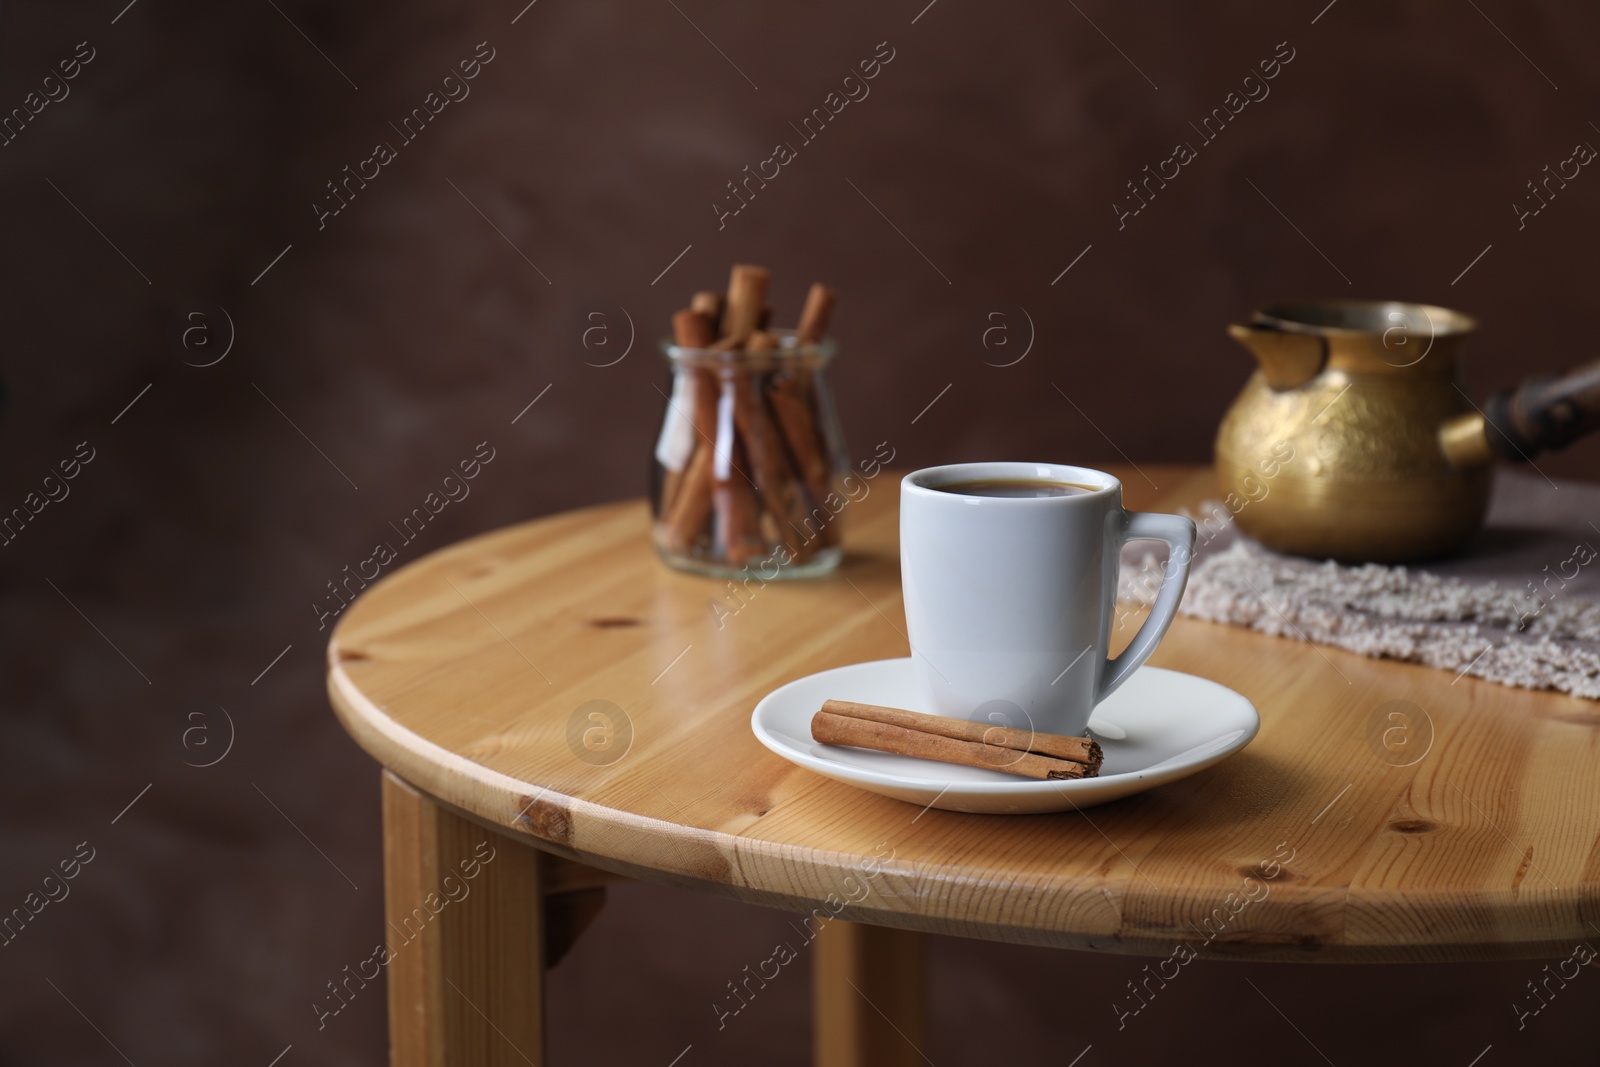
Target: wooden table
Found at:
x=552, y=685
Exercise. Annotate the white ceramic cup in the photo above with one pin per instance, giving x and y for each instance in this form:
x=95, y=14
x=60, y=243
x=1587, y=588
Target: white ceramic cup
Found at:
x=1009, y=600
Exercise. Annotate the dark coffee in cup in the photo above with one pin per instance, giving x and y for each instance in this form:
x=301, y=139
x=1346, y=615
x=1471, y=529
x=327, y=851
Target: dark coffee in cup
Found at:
x=1013, y=487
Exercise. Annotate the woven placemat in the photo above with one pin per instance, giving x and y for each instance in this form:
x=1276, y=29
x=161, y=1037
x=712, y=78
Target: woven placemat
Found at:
x=1518, y=607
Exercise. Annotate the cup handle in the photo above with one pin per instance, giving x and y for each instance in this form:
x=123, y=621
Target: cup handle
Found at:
x=1178, y=532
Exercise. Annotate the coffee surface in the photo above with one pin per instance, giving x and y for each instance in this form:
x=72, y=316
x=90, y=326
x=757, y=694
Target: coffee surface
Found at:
x=1014, y=487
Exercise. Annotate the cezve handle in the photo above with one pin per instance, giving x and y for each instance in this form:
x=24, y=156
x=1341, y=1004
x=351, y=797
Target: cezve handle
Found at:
x=1540, y=415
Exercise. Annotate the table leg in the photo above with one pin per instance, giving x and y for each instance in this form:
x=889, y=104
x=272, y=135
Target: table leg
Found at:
x=867, y=997
x=466, y=972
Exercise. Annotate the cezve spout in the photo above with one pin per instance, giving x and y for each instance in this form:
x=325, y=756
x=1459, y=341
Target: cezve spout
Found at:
x=1288, y=360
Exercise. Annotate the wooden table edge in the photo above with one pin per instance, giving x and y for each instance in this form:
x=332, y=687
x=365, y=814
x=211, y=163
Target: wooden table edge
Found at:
x=544, y=819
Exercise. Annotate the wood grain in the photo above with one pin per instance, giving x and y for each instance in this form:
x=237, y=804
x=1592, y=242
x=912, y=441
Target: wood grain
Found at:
x=463, y=671
x=867, y=997
x=463, y=933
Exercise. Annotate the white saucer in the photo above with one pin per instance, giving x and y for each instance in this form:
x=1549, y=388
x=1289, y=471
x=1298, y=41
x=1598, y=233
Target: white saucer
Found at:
x=1158, y=727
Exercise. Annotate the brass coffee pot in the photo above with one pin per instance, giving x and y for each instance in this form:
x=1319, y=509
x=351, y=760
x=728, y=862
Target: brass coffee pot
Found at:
x=1355, y=440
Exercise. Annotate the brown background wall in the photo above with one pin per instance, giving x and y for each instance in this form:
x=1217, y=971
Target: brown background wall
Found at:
x=408, y=330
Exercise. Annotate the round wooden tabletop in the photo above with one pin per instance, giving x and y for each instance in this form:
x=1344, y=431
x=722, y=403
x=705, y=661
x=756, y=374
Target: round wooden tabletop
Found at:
x=557, y=681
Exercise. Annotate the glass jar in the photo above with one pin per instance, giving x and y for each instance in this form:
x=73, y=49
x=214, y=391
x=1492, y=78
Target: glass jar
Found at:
x=746, y=478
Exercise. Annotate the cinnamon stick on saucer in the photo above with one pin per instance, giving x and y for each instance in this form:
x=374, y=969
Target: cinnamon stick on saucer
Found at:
x=839, y=723
x=830, y=729
x=1077, y=749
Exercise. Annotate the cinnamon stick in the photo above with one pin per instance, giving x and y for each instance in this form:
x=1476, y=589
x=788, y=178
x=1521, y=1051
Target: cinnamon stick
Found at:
x=830, y=729
x=814, y=319
x=790, y=397
x=793, y=415
x=731, y=497
x=813, y=327
x=1077, y=749
x=672, y=477
x=774, y=477
x=671, y=483
x=692, y=506
x=708, y=302
x=706, y=399
x=747, y=294
x=738, y=515
x=692, y=329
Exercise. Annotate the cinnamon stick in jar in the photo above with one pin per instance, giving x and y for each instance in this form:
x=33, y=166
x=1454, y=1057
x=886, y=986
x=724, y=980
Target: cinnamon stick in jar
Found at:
x=747, y=295
x=685, y=408
x=683, y=523
x=793, y=405
x=691, y=329
x=694, y=329
x=774, y=477
x=744, y=455
x=738, y=525
x=812, y=329
x=814, y=319
x=708, y=302
x=801, y=433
